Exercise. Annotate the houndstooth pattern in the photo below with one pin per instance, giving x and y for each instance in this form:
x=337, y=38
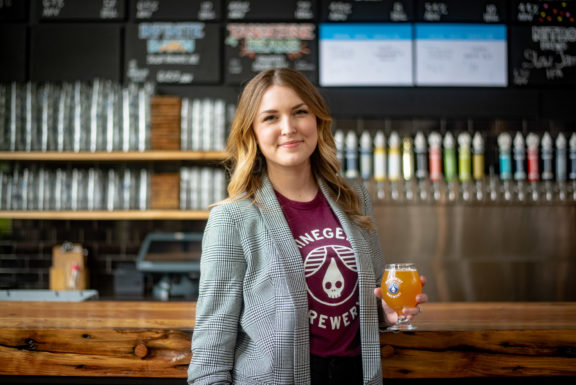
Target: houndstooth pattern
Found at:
x=252, y=311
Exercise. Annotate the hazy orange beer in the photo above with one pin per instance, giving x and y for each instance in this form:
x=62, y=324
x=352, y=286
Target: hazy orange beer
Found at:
x=400, y=285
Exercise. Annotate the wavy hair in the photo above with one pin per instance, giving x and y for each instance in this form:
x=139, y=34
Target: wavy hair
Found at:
x=246, y=163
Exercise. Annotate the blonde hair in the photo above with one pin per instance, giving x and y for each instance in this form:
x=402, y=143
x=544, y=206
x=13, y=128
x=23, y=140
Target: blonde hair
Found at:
x=245, y=162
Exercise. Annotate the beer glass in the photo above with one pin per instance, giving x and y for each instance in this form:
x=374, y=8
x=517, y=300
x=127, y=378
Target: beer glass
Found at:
x=400, y=285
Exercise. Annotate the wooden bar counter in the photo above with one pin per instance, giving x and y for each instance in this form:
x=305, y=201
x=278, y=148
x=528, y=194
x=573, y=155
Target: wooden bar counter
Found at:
x=152, y=339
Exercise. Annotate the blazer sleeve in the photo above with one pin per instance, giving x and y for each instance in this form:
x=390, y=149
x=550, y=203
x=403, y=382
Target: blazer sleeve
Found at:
x=222, y=270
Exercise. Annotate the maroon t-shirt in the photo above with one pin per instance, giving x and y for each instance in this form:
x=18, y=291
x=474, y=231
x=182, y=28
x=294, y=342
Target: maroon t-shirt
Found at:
x=331, y=276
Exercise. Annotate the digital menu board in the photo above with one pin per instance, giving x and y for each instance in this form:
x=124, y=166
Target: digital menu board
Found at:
x=172, y=53
x=461, y=55
x=80, y=10
x=267, y=10
x=459, y=11
x=365, y=55
x=367, y=10
x=551, y=12
x=252, y=48
x=176, y=10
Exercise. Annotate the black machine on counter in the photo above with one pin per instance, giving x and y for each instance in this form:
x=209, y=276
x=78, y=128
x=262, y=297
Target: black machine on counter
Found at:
x=176, y=256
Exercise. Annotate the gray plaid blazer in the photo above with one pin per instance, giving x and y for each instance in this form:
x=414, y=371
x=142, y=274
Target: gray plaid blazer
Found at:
x=252, y=311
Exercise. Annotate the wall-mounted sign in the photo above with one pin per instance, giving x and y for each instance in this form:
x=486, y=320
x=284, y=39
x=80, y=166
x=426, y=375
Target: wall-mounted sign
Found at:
x=476, y=11
x=461, y=55
x=60, y=10
x=544, y=12
x=366, y=55
x=176, y=10
x=543, y=55
x=367, y=10
x=252, y=48
x=176, y=53
x=267, y=10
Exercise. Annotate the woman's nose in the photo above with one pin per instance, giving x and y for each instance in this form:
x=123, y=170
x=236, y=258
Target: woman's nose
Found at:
x=288, y=126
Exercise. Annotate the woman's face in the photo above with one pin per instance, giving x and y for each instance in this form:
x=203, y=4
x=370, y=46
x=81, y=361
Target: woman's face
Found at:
x=285, y=129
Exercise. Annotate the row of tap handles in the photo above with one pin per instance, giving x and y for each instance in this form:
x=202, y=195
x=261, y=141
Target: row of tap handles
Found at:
x=453, y=167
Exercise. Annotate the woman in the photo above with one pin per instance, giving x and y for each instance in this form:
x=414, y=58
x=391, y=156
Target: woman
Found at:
x=291, y=259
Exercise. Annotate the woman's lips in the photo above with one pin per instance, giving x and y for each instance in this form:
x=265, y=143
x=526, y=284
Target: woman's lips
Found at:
x=291, y=144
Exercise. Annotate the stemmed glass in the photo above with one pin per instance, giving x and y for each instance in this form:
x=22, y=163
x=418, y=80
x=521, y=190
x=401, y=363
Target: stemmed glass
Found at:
x=400, y=285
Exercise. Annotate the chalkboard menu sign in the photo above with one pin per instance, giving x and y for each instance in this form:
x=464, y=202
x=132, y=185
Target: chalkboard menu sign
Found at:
x=12, y=56
x=543, y=55
x=81, y=9
x=268, y=10
x=473, y=11
x=367, y=10
x=252, y=48
x=544, y=12
x=69, y=52
x=173, y=53
x=174, y=10
x=13, y=10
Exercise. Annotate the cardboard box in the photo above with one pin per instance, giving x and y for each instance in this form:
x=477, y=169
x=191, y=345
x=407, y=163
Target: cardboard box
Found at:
x=66, y=254
x=165, y=122
x=67, y=279
x=68, y=271
x=165, y=191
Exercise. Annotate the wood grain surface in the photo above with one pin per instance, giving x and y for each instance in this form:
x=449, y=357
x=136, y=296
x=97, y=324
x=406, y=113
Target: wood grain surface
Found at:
x=152, y=339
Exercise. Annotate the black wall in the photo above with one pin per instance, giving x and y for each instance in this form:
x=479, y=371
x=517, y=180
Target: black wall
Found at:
x=83, y=40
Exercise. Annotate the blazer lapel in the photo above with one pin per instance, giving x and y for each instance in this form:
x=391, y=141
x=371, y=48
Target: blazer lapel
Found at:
x=290, y=257
x=290, y=267
x=366, y=281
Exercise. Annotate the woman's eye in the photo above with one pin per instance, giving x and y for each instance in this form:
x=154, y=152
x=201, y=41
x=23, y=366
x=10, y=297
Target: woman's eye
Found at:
x=301, y=112
x=268, y=118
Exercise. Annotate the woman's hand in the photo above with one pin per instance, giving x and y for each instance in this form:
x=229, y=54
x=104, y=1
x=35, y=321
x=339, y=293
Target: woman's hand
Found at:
x=409, y=312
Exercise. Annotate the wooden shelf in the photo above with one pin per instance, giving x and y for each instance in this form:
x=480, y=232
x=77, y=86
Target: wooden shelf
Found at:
x=113, y=156
x=108, y=215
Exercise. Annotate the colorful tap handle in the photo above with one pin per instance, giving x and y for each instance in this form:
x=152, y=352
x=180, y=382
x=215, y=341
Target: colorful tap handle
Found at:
x=504, y=143
x=420, y=155
x=351, y=155
x=533, y=166
x=519, y=157
x=561, y=164
x=435, y=156
x=407, y=159
x=394, y=157
x=547, y=152
x=365, y=155
x=572, y=145
x=379, y=157
x=464, y=158
x=478, y=156
x=340, y=148
x=449, y=157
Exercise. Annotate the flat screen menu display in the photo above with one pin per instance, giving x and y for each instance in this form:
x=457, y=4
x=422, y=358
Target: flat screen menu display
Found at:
x=365, y=55
x=461, y=55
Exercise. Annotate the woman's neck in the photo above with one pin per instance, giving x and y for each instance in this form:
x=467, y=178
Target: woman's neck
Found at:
x=297, y=185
